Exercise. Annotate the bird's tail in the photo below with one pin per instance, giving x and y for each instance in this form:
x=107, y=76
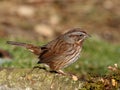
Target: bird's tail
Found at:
x=35, y=49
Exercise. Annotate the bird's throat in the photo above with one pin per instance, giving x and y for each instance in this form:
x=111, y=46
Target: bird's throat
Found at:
x=79, y=43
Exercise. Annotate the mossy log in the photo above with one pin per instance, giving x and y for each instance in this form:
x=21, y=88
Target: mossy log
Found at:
x=38, y=79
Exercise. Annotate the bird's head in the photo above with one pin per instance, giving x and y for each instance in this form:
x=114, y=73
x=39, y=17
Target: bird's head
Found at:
x=76, y=35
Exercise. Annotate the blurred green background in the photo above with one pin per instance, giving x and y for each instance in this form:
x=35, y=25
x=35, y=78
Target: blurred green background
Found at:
x=39, y=21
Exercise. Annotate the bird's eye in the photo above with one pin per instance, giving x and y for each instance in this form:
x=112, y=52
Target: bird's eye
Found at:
x=81, y=35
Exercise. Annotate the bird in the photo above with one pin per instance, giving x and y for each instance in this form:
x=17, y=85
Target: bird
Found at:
x=60, y=52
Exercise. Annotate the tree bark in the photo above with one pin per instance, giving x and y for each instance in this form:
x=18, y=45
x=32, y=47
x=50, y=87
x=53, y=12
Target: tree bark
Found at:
x=38, y=79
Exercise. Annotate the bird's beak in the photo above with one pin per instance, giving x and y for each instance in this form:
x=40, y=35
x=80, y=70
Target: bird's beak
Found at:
x=87, y=36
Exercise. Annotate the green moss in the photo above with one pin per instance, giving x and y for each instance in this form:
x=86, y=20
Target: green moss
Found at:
x=36, y=79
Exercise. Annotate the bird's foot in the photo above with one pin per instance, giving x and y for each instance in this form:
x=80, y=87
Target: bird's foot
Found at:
x=35, y=67
x=74, y=77
x=58, y=72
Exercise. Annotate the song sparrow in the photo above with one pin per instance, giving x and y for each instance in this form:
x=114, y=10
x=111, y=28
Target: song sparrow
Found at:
x=60, y=52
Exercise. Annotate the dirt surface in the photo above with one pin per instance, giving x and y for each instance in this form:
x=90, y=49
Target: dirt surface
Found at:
x=46, y=19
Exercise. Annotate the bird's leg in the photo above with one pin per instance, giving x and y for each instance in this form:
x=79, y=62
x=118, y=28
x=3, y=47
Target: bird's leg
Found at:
x=39, y=68
x=74, y=77
x=59, y=72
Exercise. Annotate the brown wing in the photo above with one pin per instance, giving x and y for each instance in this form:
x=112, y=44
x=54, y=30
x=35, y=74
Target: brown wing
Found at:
x=56, y=49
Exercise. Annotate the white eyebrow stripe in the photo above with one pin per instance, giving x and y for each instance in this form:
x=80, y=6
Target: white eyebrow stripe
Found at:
x=77, y=33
